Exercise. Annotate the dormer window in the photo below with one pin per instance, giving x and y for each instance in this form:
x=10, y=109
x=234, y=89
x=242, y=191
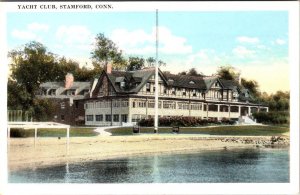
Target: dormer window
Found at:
x=122, y=84
x=194, y=93
x=183, y=92
x=191, y=82
x=52, y=92
x=173, y=91
x=148, y=87
x=246, y=94
x=216, y=84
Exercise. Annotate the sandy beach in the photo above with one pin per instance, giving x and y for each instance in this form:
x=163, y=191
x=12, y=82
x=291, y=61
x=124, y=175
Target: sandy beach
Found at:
x=53, y=151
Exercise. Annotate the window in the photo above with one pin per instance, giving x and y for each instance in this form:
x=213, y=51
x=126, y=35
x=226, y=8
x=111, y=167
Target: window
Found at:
x=141, y=104
x=76, y=104
x=124, y=118
x=194, y=93
x=165, y=90
x=173, y=91
x=116, y=118
x=183, y=105
x=183, y=92
x=107, y=117
x=169, y=104
x=62, y=105
x=133, y=104
x=99, y=117
x=62, y=117
x=122, y=84
x=52, y=92
x=148, y=87
x=89, y=117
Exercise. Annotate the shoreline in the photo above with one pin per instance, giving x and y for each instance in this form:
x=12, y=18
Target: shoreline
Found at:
x=52, y=151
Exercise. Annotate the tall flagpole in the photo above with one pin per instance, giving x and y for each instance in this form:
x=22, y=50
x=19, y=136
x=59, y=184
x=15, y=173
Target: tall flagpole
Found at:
x=156, y=79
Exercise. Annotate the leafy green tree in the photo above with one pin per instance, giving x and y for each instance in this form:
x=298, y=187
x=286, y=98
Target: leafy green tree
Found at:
x=135, y=63
x=32, y=66
x=227, y=72
x=252, y=86
x=194, y=72
x=150, y=61
x=17, y=96
x=106, y=51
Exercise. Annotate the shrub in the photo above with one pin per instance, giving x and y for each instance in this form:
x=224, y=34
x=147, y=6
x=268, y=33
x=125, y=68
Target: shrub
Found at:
x=272, y=117
x=184, y=121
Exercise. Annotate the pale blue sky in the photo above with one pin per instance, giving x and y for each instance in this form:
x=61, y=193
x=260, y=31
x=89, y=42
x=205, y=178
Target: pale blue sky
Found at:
x=254, y=42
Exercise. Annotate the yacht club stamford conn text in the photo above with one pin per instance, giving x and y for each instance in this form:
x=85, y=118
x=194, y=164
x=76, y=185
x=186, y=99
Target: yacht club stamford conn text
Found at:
x=63, y=6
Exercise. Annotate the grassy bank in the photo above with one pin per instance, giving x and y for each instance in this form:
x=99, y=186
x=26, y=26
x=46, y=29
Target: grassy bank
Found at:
x=218, y=130
x=74, y=132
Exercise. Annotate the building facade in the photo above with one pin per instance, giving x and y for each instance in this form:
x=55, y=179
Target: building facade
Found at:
x=67, y=99
x=120, y=97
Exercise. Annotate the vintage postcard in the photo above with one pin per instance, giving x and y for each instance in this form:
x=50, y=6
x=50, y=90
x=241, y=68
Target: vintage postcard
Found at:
x=150, y=97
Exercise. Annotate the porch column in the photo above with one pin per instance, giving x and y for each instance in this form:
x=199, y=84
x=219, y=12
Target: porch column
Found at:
x=129, y=111
x=206, y=110
x=267, y=109
x=249, y=110
x=189, y=108
x=229, y=111
x=240, y=110
x=146, y=108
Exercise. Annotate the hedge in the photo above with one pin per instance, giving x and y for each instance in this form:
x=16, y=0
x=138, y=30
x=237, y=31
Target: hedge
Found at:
x=184, y=121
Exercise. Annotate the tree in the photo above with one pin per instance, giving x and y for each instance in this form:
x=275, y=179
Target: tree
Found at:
x=251, y=85
x=150, y=61
x=135, y=63
x=194, y=72
x=106, y=51
x=228, y=72
x=33, y=65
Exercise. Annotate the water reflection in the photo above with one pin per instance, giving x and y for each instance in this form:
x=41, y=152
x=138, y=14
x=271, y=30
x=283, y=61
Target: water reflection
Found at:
x=243, y=165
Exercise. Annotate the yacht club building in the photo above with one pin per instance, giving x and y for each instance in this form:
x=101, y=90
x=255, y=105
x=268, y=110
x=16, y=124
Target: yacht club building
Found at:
x=119, y=97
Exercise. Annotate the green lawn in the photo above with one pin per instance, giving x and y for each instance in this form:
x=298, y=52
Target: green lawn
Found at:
x=74, y=132
x=221, y=130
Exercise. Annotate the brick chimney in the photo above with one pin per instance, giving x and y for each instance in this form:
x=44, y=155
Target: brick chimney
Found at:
x=108, y=68
x=69, y=80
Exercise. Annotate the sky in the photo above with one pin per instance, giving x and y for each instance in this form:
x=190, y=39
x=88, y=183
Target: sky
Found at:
x=256, y=42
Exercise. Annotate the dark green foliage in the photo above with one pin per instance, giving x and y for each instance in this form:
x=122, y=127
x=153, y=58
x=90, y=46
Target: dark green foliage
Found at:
x=191, y=72
x=272, y=117
x=135, y=63
x=251, y=85
x=43, y=109
x=183, y=122
x=227, y=72
x=106, y=51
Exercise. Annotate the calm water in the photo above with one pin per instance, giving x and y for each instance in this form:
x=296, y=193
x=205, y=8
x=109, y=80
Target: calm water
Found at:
x=240, y=165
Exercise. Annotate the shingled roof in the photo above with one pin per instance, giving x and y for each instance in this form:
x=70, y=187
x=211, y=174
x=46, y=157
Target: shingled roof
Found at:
x=135, y=80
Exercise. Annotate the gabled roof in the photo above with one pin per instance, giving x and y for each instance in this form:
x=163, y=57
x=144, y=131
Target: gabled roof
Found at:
x=60, y=86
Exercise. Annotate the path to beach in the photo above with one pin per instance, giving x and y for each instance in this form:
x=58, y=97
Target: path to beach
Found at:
x=52, y=151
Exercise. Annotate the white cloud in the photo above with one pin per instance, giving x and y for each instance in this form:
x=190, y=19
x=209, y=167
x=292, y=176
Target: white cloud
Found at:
x=75, y=36
x=37, y=27
x=245, y=39
x=140, y=42
x=23, y=34
x=280, y=41
x=243, y=52
x=30, y=33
